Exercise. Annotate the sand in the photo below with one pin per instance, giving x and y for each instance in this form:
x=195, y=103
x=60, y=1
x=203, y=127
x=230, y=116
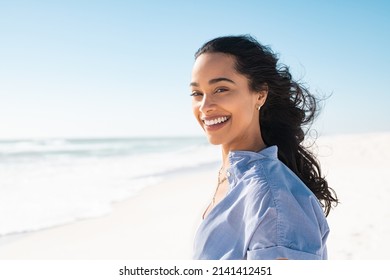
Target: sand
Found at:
x=158, y=223
x=161, y=221
x=357, y=167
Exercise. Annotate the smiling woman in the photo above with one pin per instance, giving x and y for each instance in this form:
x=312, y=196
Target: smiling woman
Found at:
x=267, y=203
x=226, y=97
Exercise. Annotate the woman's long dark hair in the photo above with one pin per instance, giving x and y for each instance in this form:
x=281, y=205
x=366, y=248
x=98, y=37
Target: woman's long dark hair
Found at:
x=288, y=109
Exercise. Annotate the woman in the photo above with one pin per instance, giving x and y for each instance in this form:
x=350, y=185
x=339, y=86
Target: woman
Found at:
x=270, y=194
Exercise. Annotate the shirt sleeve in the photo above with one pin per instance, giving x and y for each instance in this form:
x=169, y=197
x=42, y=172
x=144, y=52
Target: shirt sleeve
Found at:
x=290, y=230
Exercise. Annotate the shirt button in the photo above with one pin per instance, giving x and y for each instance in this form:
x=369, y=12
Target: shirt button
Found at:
x=228, y=173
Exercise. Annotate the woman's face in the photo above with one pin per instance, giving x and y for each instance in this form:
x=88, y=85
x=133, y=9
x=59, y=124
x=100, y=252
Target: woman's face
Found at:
x=222, y=102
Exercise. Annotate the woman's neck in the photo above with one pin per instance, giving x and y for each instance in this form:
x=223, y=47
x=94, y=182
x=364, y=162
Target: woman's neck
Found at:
x=254, y=146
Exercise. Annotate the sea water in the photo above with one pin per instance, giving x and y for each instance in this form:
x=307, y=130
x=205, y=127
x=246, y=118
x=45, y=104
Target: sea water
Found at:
x=50, y=182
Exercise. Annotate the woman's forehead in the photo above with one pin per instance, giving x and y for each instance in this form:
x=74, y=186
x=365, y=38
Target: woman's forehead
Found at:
x=214, y=58
x=213, y=65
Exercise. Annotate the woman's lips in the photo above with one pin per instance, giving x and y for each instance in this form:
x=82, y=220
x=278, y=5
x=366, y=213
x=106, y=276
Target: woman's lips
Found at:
x=215, y=123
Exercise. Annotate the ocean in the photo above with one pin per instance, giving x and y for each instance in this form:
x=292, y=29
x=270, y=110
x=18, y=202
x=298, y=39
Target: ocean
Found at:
x=51, y=182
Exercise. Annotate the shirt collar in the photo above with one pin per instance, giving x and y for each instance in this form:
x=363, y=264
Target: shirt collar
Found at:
x=241, y=161
x=269, y=152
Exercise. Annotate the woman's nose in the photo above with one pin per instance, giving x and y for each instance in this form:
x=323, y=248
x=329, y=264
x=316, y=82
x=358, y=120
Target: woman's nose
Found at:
x=207, y=104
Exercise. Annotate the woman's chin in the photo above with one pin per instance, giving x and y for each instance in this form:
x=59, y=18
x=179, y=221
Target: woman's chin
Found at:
x=214, y=140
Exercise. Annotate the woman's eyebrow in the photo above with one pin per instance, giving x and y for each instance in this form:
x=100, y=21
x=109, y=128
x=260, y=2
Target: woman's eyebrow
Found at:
x=221, y=79
x=194, y=84
x=214, y=81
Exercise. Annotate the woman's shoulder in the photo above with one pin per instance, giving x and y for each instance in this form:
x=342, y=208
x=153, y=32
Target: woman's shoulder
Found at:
x=267, y=182
x=262, y=177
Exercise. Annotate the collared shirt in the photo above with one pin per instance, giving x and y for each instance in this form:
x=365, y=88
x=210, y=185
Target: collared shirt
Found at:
x=268, y=213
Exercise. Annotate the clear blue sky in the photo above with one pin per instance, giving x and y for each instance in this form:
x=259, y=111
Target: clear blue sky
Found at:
x=80, y=68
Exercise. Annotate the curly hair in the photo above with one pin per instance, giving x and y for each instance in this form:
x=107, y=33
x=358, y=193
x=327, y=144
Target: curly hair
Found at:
x=289, y=107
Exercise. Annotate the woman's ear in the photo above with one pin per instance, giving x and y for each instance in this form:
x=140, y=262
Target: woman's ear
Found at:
x=262, y=95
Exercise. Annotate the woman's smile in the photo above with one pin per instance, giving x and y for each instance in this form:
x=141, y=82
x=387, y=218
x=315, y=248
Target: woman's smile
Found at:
x=215, y=123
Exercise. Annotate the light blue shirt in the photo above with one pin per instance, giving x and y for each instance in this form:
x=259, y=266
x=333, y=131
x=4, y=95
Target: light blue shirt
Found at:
x=268, y=213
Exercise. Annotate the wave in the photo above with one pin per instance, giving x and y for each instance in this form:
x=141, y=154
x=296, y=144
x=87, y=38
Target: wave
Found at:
x=34, y=148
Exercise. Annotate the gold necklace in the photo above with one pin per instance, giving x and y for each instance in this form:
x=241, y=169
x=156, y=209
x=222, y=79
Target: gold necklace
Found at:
x=220, y=182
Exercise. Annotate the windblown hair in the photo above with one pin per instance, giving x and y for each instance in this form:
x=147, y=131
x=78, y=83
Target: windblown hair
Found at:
x=288, y=109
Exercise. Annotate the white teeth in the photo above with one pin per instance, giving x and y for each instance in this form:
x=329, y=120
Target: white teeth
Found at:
x=215, y=121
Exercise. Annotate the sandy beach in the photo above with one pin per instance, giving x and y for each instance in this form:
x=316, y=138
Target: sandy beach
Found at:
x=158, y=223
x=161, y=220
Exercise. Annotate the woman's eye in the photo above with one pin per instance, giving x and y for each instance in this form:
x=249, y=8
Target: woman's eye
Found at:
x=219, y=90
x=195, y=93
